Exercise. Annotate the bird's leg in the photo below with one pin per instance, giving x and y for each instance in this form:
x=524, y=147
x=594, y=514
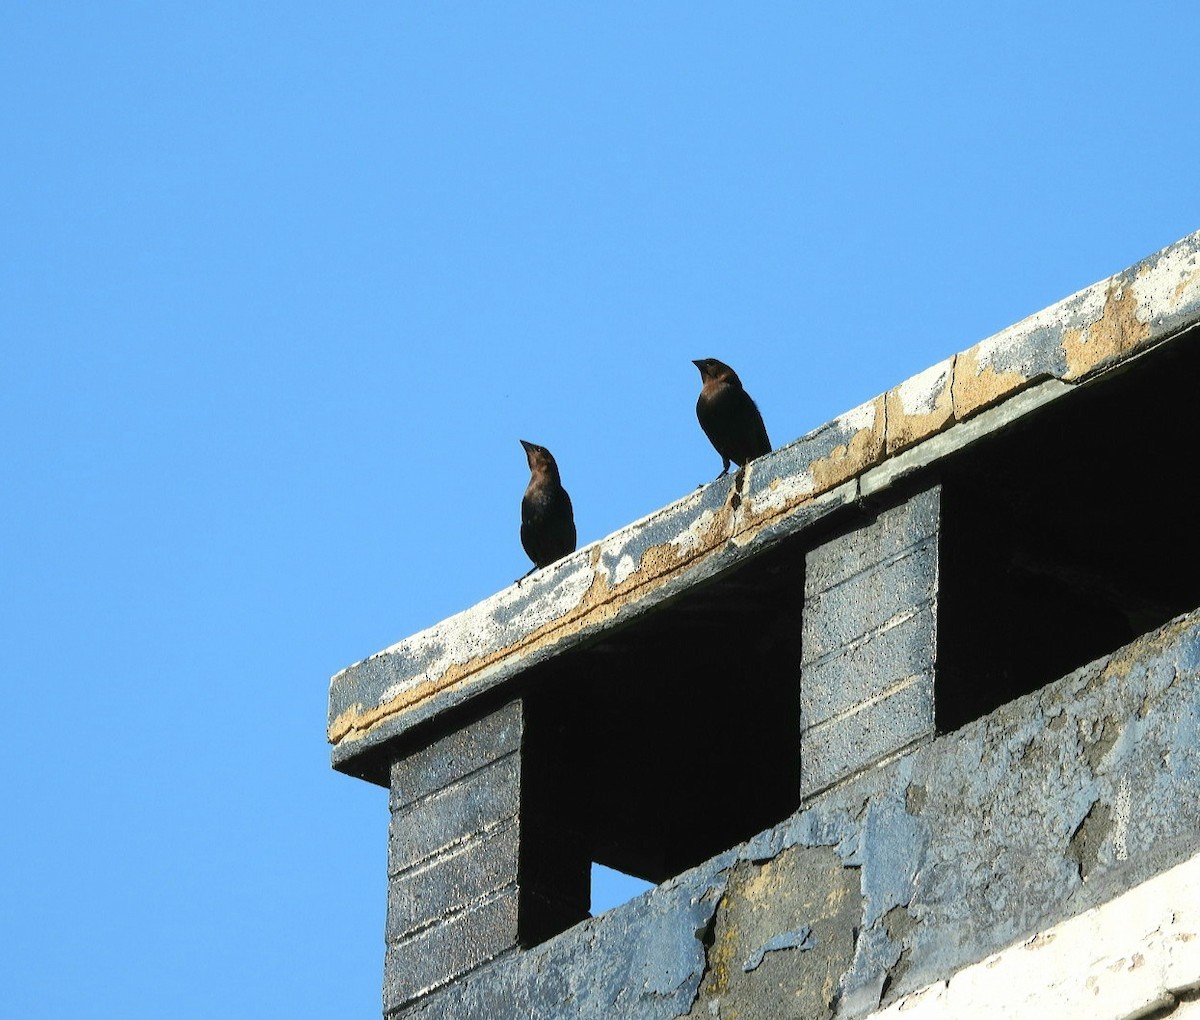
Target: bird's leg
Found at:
x=724, y=470
x=525, y=575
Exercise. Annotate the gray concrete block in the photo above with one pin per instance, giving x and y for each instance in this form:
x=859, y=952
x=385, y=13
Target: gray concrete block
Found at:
x=456, y=754
x=481, y=800
x=841, y=746
x=860, y=672
x=446, y=884
x=893, y=531
x=868, y=600
x=448, y=950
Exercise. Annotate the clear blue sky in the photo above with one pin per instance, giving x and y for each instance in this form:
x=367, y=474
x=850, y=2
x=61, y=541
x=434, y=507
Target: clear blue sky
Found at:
x=282, y=286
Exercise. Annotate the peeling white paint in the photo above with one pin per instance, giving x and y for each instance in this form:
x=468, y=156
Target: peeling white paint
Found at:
x=692, y=538
x=919, y=395
x=1122, y=959
x=1078, y=311
x=625, y=566
x=1173, y=280
x=858, y=418
x=497, y=620
x=567, y=593
x=781, y=492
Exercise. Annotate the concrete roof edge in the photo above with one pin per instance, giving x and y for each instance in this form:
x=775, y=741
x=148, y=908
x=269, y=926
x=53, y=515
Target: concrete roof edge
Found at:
x=863, y=451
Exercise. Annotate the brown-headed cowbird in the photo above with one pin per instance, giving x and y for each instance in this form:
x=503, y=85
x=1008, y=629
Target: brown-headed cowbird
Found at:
x=728, y=416
x=547, y=520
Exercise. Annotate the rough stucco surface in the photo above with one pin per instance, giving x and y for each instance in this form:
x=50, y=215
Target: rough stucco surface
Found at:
x=803, y=901
x=940, y=858
x=784, y=492
x=645, y=960
x=1135, y=956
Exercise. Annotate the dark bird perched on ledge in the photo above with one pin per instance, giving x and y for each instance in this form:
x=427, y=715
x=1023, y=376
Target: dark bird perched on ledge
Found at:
x=547, y=520
x=728, y=416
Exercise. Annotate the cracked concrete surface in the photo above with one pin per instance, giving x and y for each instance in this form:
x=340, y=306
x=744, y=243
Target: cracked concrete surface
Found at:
x=907, y=873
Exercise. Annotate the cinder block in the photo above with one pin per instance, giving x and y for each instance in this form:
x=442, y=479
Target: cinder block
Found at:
x=846, y=744
x=456, y=755
x=867, y=600
x=483, y=799
x=483, y=855
x=864, y=671
x=893, y=531
x=449, y=949
x=464, y=876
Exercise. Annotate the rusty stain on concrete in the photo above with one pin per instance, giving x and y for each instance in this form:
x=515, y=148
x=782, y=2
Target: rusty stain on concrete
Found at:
x=977, y=385
x=1117, y=333
x=863, y=449
x=920, y=407
x=807, y=892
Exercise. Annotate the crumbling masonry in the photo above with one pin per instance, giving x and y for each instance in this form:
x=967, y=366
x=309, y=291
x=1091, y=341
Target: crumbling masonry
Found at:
x=944, y=762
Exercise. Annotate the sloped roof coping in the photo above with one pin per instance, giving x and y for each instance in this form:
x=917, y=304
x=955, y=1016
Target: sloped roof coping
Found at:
x=707, y=531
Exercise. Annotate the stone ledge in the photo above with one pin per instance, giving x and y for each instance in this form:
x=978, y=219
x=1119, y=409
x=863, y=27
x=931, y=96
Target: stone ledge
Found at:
x=708, y=531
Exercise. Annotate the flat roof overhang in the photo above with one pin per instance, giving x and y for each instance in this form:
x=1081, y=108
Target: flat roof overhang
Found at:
x=485, y=651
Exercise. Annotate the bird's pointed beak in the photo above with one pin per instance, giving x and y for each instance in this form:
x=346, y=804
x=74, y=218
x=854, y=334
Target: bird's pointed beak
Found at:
x=700, y=365
x=528, y=446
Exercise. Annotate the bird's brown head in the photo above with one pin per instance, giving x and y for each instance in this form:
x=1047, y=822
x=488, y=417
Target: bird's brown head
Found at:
x=541, y=460
x=714, y=371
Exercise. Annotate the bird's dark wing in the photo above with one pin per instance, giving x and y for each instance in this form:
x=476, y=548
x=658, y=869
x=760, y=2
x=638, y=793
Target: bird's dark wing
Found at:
x=547, y=525
x=731, y=420
x=755, y=441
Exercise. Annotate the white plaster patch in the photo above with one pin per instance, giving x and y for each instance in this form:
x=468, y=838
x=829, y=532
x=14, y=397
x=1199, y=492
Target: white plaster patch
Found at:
x=858, y=418
x=782, y=492
x=692, y=538
x=1173, y=280
x=613, y=548
x=479, y=630
x=1078, y=312
x=919, y=395
x=1116, y=961
x=569, y=588
x=625, y=566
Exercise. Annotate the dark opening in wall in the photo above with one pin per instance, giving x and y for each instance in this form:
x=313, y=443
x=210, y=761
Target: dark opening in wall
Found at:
x=679, y=733
x=1068, y=534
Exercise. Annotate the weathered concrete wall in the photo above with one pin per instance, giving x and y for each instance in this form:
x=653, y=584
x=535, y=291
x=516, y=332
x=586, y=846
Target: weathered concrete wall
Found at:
x=1135, y=956
x=1036, y=361
x=453, y=854
x=870, y=619
x=905, y=874
x=477, y=859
